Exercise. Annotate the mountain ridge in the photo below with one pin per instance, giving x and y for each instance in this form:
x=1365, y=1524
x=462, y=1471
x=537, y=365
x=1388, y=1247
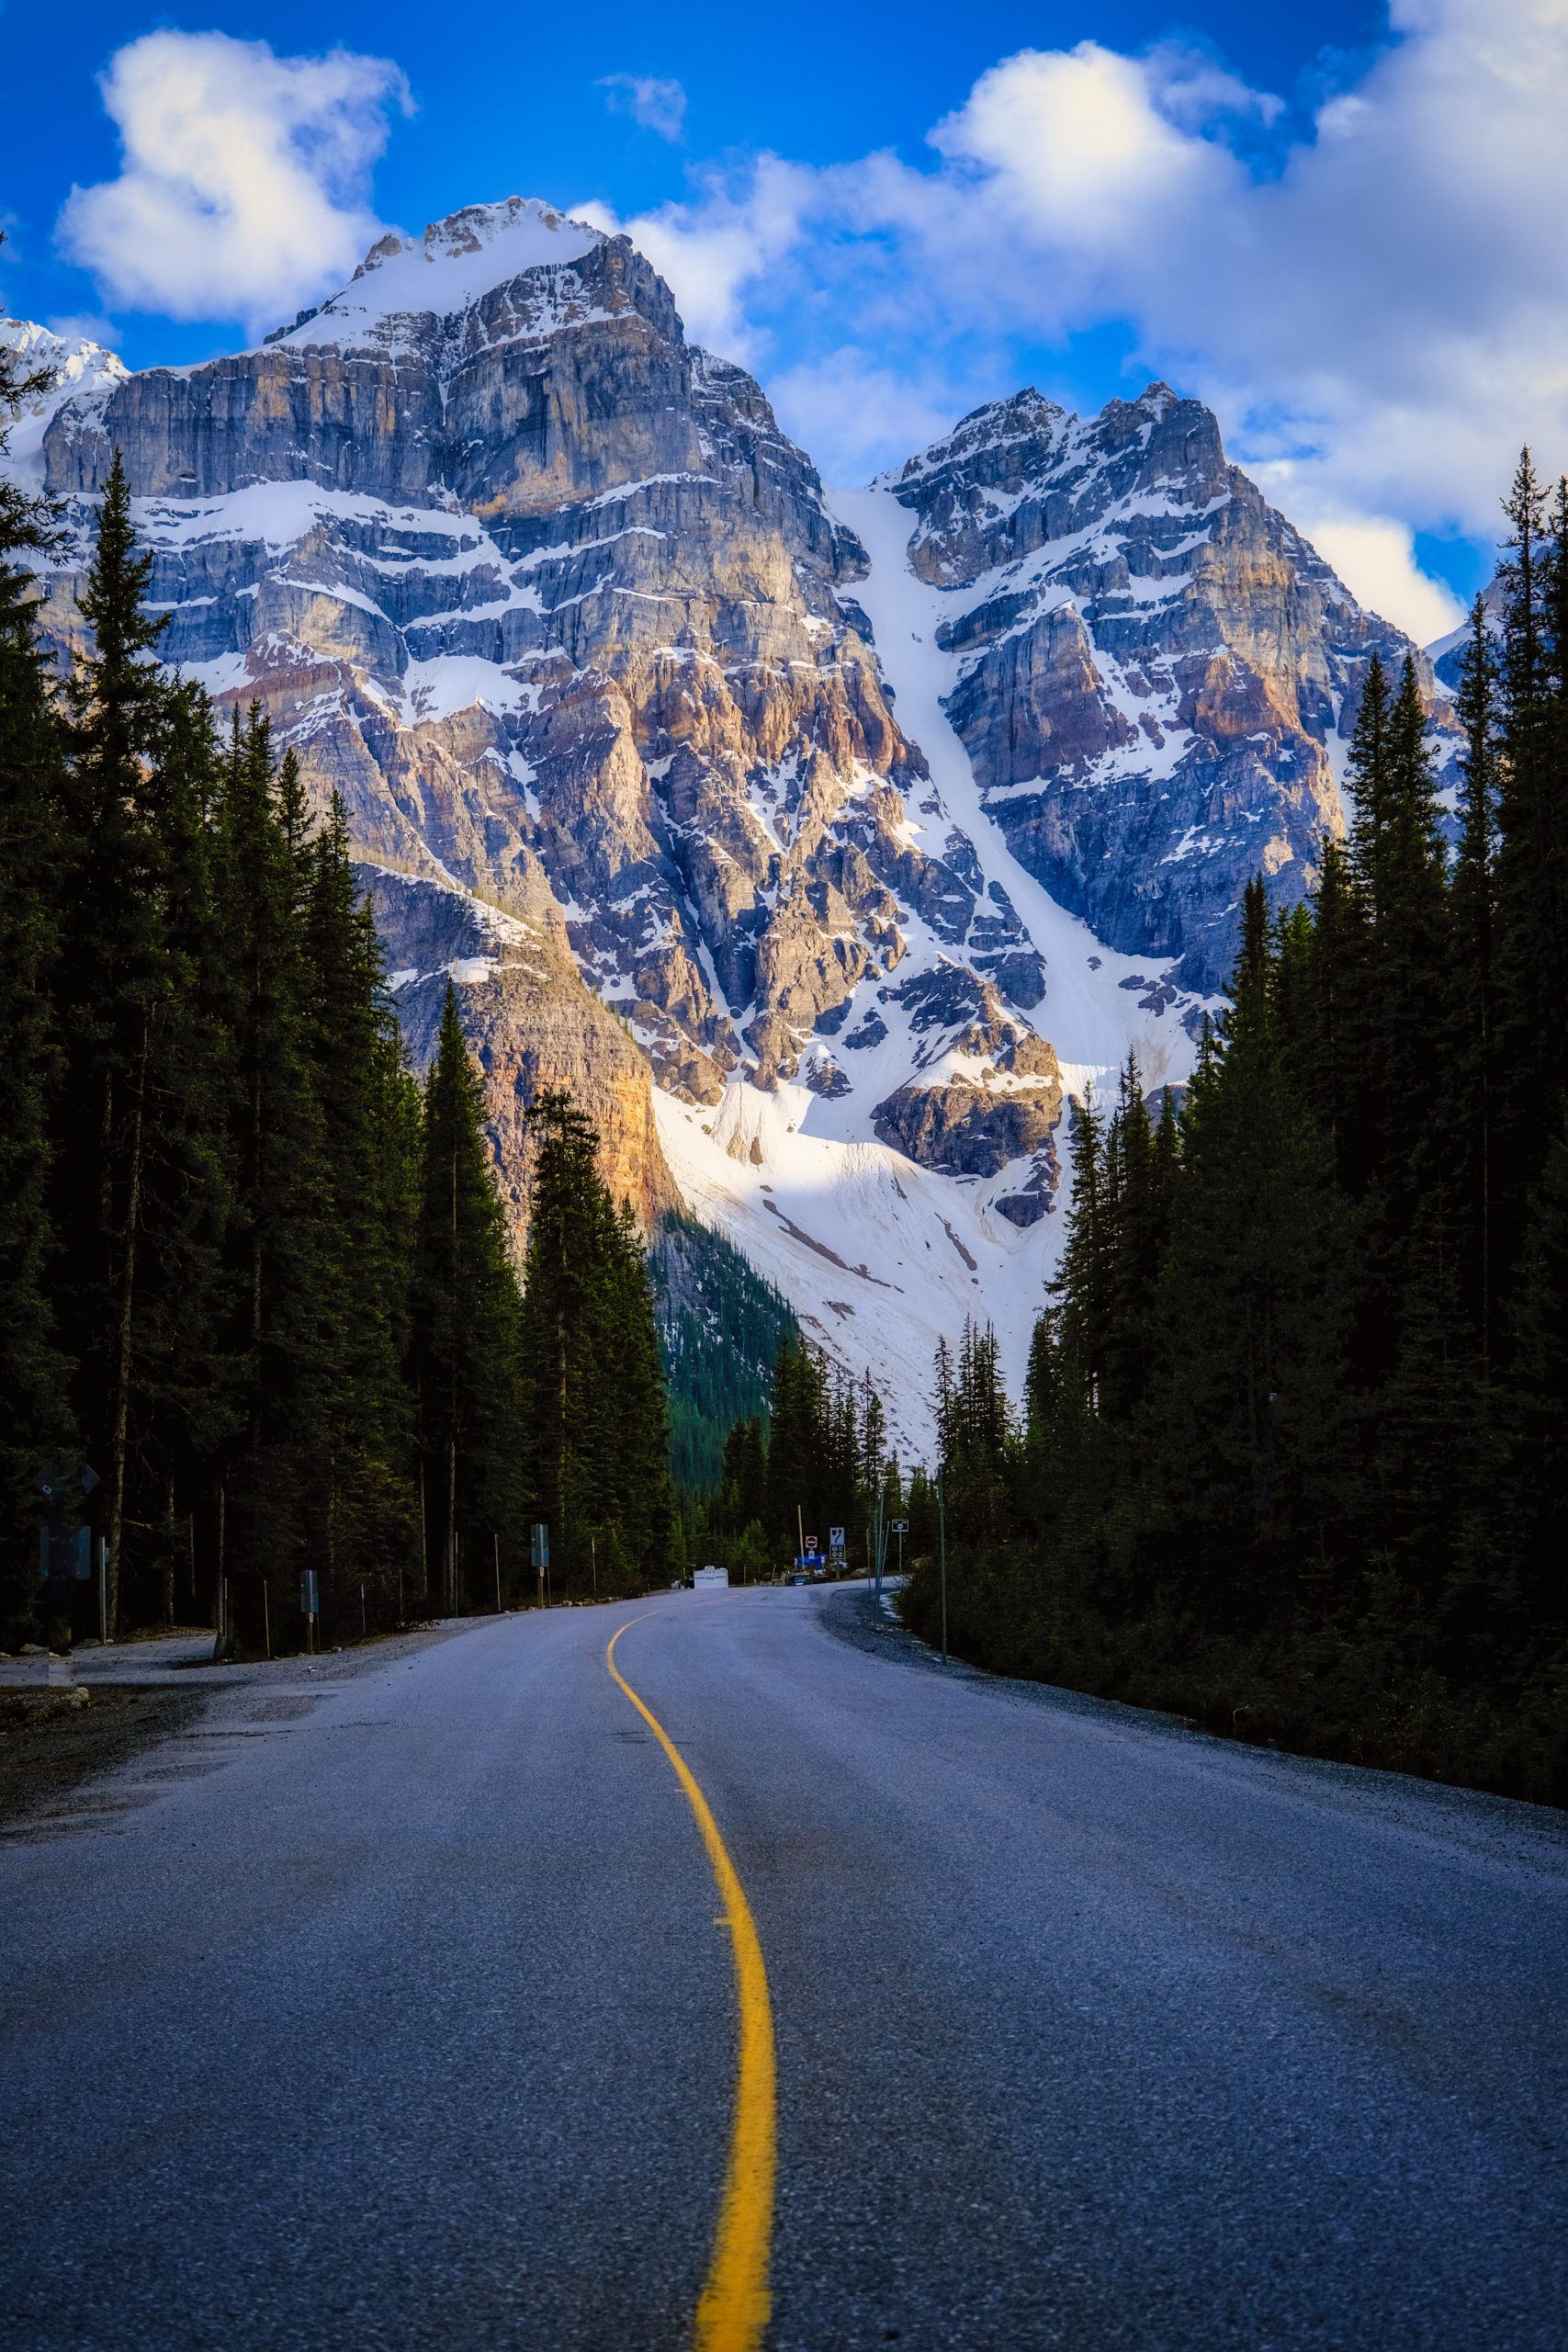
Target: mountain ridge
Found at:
x=781, y=786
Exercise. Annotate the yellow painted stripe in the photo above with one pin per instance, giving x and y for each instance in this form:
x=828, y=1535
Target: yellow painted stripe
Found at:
x=734, y=2308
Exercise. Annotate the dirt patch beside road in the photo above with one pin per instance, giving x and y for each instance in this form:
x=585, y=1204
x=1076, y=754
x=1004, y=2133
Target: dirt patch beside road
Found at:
x=53, y=1739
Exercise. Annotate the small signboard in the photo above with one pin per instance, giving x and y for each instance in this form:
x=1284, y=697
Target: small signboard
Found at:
x=835, y=1539
x=539, y=1546
x=309, y=1603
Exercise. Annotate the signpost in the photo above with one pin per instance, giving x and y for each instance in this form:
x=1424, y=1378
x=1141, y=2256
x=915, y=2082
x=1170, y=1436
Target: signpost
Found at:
x=539, y=1553
x=311, y=1604
x=837, y=1550
x=65, y=1549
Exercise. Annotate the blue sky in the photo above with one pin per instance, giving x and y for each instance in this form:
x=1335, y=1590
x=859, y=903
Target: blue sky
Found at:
x=1334, y=227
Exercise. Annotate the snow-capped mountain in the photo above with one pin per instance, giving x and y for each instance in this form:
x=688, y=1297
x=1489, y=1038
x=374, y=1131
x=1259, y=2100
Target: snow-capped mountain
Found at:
x=822, y=842
x=1154, y=675
x=79, y=368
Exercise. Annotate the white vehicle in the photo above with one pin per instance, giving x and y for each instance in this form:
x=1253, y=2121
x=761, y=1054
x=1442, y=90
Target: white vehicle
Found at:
x=706, y=1579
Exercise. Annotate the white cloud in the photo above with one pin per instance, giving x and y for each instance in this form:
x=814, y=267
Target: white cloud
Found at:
x=243, y=188
x=715, y=252
x=1378, y=298
x=656, y=105
x=1373, y=554
x=856, y=414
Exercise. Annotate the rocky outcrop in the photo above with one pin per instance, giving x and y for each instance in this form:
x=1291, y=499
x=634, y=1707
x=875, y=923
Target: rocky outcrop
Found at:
x=545, y=595
x=551, y=600
x=1155, y=677
x=533, y=1026
x=986, y=1092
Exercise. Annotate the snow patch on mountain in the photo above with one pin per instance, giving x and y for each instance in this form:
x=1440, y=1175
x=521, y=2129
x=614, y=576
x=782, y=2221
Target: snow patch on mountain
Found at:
x=80, y=369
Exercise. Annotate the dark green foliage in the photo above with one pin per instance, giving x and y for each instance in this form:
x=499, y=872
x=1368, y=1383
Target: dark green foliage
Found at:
x=467, y=1340
x=596, y=1467
x=248, y=1270
x=35, y=1417
x=719, y=1328
x=817, y=1459
x=1295, y=1458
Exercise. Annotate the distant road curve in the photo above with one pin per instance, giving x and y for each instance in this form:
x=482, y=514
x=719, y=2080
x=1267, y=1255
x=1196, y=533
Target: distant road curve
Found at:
x=410, y=2012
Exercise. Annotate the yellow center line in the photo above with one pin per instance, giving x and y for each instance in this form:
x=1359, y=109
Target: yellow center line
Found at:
x=734, y=2308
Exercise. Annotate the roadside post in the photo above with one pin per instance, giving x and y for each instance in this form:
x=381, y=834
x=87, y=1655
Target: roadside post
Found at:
x=65, y=1548
x=838, y=1553
x=309, y=1603
x=103, y=1592
x=900, y=1529
x=540, y=1554
x=881, y=1550
x=497, y=1541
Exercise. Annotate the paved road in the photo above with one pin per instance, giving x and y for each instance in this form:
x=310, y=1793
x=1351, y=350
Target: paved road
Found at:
x=398, y=2015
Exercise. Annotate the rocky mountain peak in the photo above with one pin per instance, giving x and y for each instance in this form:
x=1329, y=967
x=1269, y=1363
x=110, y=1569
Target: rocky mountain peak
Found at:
x=1155, y=676
x=456, y=263
x=548, y=597
x=81, y=368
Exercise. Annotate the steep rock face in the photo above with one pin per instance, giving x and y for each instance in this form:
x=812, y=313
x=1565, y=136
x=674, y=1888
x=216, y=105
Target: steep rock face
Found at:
x=530, y=1022
x=545, y=593
x=1156, y=676
x=521, y=575
x=547, y=597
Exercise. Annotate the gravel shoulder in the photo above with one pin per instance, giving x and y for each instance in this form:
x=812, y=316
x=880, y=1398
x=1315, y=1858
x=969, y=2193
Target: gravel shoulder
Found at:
x=67, y=1726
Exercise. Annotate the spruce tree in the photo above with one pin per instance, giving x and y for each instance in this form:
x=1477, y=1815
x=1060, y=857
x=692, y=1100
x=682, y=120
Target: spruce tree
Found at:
x=1477, y=1078
x=466, y=1346
x=359, y=1419
x=1248, y=1419
x=36, y=1423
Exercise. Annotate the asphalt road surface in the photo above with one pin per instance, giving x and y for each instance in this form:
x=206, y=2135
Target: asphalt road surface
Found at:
x=405, y=2014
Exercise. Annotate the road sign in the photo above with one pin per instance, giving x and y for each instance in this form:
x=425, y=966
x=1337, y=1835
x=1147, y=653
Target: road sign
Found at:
x=810, y=1544
x=835, y=1539
x=899, y=1526
x=539, y=1546
x=808, y=1559
x=308, y=1601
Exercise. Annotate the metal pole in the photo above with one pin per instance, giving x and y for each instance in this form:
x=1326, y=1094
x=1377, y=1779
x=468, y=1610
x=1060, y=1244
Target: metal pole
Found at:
x=267, y=1616
x=593, y=1562
x=941, y=1536
x=497, y=1536
x=880, y=1555
x=103, y=1590
x=363, y=1620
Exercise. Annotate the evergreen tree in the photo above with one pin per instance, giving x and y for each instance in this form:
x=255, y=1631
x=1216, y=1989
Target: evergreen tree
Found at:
x=1249, y=1318
x=1531, y=960
x=265, y=1499
x=362, y=1496
x=36, y=1423
x=1477, y=1078
x=468, y=1355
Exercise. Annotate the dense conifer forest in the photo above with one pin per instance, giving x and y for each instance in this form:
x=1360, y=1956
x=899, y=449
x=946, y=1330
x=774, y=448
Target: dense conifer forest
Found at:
x=1292, y=1457
x=252, y=1275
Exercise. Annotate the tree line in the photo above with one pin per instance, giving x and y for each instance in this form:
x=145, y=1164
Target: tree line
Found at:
x=1294, y=1454
x=250, y=1271
x=817, y=1457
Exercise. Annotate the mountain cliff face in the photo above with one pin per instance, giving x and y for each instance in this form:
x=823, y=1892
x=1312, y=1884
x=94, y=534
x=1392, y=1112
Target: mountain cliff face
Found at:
x=821, y=845
x=1155, y=677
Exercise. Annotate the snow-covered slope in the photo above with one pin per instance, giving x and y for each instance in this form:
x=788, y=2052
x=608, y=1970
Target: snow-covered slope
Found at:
x=80, y=369
x=816, y=813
